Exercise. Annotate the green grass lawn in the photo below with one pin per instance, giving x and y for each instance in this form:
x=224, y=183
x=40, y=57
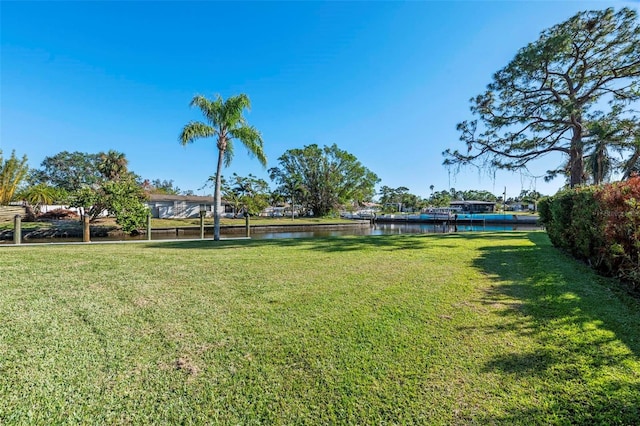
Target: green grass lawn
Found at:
x=477, y=328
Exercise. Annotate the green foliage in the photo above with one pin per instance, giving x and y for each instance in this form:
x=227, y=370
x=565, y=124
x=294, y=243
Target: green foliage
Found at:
x=622, y=228
x=399, y=199
x=158, y=186
x=225, y=122
x=12, y=173
x=600, y=225
x=125, y=200
x=325, y=178
x=89, y=200
x=440, y=199
x=547, y=98
x=42, y=194
x=252, y=192
x=112, y=165
x=68, y=170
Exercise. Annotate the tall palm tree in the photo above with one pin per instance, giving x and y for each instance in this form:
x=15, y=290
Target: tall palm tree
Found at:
x=226, y=123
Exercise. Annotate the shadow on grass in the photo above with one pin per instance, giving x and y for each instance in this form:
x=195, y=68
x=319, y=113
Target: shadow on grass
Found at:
x=323, y=244
x=585, y=329
x=343, y=243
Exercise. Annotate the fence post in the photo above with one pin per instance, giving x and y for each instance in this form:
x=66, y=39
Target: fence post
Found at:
x=86, y=230
x=17, y=229
x=246, y=225
x=202, y=213
x=149, y=226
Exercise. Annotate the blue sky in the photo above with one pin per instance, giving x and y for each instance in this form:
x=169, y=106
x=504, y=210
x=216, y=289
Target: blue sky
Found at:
x=385, y=81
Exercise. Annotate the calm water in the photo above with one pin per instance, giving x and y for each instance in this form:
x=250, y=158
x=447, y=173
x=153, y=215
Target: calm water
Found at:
x=377, y=229
x=391, y=229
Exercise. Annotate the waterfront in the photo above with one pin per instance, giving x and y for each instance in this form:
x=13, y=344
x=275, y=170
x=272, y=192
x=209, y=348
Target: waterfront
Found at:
x=303, y=231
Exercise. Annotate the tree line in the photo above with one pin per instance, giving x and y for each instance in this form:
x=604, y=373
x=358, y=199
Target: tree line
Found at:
x=318, y=180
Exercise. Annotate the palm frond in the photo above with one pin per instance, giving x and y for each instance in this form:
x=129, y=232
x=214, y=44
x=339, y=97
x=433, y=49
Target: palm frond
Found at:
x=233, y=110
x=195, y=130
x=228, y=153
x=252, y=140
x=206, y=106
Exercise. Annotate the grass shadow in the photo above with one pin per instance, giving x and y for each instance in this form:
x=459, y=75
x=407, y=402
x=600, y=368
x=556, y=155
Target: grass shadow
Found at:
x=585, y=328
x=321, y=244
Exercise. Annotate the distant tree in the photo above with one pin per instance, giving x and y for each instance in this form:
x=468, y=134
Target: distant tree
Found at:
x=440, y=199
x=106, y=185
x=399, y=199
x=68, y=170
x=123, y=198
x=90, y=200
x=41, y=194
x=455, y=194
x=290, y=185
x=544, y=99
x=478, y=195
x=253, y=193
x=112, y=165
x=326, y=177
x=12, y=173
x=610, y=143
x=276, y=198
x=226, y=123
x=632, y=163
x=158, y=186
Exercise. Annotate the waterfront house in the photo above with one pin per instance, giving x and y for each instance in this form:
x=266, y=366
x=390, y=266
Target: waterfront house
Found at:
x=166, y=206
x=474, y=206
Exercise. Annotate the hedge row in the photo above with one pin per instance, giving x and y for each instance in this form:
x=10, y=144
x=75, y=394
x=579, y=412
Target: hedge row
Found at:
x=600, y=225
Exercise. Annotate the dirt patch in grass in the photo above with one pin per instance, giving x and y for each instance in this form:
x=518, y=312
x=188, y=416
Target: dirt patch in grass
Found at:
x=187, y=365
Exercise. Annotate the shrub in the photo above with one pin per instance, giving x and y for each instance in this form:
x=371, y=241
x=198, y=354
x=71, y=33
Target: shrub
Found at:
x=600, y=225
x=622, y=228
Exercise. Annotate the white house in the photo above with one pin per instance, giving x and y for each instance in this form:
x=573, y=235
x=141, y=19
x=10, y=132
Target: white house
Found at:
x=165, y=206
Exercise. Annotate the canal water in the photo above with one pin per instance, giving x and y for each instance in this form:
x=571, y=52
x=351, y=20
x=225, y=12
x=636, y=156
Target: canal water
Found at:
x=262, y=233
x=394, y=229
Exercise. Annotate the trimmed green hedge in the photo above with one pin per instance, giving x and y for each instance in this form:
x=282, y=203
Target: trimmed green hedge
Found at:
x=600, y=225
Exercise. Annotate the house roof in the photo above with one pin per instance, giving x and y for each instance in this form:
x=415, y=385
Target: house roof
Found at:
x=470, y=202
x=188, y=198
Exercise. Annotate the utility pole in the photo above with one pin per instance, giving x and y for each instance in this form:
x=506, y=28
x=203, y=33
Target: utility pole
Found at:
x=504, y=200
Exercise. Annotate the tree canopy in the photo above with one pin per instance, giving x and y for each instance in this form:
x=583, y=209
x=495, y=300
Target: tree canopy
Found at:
x=548, y=97
x=324, y=178
x=399, y=199
x=68, y=170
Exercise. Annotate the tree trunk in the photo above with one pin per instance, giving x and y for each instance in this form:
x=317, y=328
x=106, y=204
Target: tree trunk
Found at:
x=576, y=161
x=217, y=198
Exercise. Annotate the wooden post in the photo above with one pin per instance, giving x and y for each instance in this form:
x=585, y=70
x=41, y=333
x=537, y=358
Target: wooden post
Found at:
x=17, y=229
x=246, y=225
x=86, y=234
x=149, y=226
x=202, y=213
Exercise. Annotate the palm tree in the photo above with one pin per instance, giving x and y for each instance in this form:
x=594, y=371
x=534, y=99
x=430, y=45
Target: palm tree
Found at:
x=225, y=122
x=39, y=195
x=112, y=165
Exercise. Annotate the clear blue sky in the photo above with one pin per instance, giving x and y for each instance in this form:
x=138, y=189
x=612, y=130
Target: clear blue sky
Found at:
x=385, y=81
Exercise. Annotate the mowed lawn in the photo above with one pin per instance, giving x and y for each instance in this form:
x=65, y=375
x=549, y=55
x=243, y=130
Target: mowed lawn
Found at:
x=478, y=328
